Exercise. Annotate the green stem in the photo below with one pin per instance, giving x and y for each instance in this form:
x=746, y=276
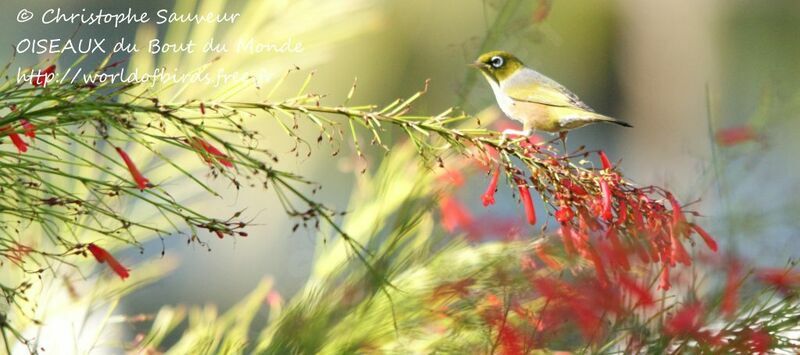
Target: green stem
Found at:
x=501, y=21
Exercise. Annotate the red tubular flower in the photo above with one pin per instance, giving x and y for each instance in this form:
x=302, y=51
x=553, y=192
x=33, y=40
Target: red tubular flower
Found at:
x=542, y=10
x=526, y=263
x=604, y=160
x=606, y=200
x=30, y=129
x=541, y=253
x=199, y=143
x=274, y=299
x=15, y=138
x=736, y=135
x=525, y=195
x=44, y=76
x=655, y=255
x=645, y=298
x=638, y=219
x=452, y=177
x=600, y=298
x=574, y=188
x=104, y=256
x=685, y=322
x=756, y=341
x=782, y=279
x=549, y=287
x=730, y=295
x=566, y=238
x=510, y=340
x=712, y=244
x=454, y=214
x=140, y=180
x=641, y=251
x=678, y=219
x=580, y=239
x=564, y=215
x=679, y=253
x=589, y=322
x=488, y=196
x=618, y=252
x=18, y=142
x=202, y=108
x=585, y=302
x=599, y=268
x=622, y=212
x=664, y=283
x=17, y=252
x=586, y=220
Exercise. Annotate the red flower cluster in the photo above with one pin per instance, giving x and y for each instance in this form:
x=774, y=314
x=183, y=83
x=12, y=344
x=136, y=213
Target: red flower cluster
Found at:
x=602, y=218
x=103, y=256
x=592, y=223
x=631, y=236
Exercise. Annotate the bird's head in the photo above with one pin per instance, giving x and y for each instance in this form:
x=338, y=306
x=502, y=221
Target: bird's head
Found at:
x=497, y=65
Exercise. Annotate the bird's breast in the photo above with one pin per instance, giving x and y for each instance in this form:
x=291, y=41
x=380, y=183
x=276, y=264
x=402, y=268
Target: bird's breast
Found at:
x=506, y=103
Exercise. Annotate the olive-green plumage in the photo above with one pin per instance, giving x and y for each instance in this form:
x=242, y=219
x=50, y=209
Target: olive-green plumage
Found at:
x=537, y=101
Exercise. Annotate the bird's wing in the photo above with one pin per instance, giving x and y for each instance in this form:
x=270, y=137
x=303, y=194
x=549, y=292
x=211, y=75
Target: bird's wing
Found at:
x=531, y=86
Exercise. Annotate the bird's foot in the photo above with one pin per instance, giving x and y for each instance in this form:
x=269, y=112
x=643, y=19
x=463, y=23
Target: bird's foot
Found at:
x=514, y=132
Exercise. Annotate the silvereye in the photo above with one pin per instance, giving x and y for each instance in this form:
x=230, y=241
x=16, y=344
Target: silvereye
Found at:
x=537, y=101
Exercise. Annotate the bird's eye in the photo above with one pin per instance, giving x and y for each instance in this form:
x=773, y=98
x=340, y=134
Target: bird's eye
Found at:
x=497, y=61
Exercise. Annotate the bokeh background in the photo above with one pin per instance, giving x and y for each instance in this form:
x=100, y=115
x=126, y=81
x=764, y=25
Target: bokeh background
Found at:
x=679, y=71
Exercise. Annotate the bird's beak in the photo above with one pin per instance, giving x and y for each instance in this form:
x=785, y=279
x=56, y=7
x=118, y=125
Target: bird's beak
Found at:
x=477, y=65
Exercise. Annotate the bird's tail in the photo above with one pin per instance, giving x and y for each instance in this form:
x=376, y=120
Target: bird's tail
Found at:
x=606, y=119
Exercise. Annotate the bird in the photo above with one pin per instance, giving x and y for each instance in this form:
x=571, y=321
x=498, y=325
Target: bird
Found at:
x=535, y=100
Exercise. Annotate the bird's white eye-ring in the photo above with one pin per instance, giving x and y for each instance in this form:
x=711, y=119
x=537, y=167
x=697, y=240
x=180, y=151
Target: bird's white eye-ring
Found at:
x=497, y=61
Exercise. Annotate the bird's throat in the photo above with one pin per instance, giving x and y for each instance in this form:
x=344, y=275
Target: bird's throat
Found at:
x=503, y=101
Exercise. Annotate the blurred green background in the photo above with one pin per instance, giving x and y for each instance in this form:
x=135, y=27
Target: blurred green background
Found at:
x=670, y=68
